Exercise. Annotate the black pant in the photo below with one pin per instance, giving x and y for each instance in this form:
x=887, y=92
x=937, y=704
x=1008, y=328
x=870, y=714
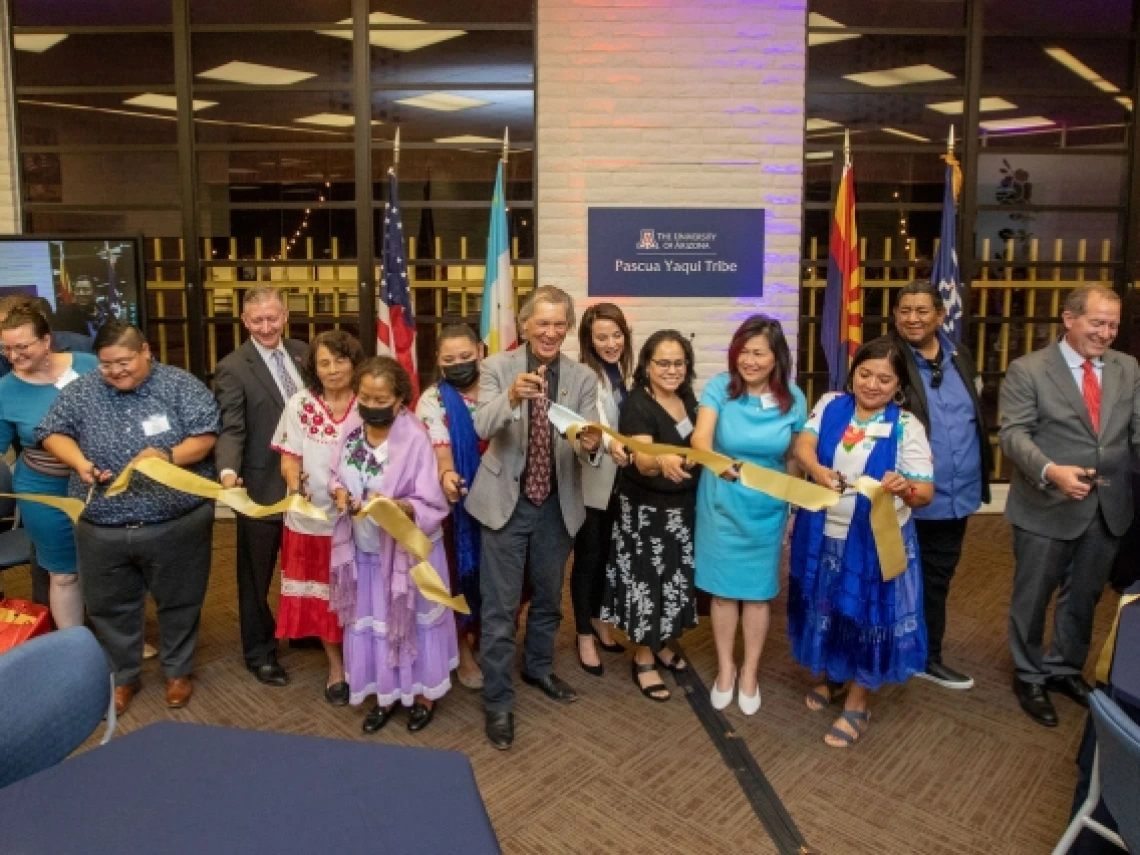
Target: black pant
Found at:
x=258, y=545
x=940, y=548
x=118, y=565
x=588, y=577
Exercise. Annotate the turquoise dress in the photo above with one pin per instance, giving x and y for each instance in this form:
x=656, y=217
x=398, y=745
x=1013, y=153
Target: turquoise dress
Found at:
x=22, y=407
x=740, y=532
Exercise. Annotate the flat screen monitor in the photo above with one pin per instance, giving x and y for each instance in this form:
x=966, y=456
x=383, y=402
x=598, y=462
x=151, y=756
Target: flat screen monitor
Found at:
x=87, y=280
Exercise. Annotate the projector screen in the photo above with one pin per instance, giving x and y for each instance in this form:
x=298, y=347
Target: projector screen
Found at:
x=87, y=281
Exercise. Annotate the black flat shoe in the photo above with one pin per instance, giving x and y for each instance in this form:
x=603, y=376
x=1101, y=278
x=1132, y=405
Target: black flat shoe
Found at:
x=377, y=717
x=337, y=694
x=420, y=717
x=1035, y=702
x=553, y=687
x=653, y=690
x=593, y=670
x=501, y=729
x=270, y=674
x=1072, y=686
x=613, y=647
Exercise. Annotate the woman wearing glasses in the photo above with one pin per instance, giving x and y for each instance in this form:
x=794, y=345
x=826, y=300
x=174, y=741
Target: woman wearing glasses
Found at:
x=26, y=394
x=649, y=576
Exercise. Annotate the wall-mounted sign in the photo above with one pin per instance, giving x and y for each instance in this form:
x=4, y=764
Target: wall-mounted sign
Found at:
x=676, y=252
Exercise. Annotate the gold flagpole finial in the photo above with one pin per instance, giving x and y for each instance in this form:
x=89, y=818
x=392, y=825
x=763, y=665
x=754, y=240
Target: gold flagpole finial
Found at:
x=846, y=147
x=396, y=149
x=506, y=142
x=950, y=142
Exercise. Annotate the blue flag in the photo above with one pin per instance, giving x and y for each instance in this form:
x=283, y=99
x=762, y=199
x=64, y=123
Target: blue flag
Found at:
x=944, y=274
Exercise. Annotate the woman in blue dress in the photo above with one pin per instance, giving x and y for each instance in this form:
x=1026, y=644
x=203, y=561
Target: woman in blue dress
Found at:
x=845, y=622
x=750, y=413
x=26, y=394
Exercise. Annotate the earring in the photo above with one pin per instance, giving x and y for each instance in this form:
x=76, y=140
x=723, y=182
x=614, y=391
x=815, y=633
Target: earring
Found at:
x=899, y=397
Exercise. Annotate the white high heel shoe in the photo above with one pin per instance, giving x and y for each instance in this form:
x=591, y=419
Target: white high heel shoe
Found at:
x=720, y=699
x=749, y=705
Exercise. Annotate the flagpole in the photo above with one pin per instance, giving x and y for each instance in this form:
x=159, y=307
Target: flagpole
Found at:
x=846, y=147
x=950, y=143
x=396, y=151
x=506, y=143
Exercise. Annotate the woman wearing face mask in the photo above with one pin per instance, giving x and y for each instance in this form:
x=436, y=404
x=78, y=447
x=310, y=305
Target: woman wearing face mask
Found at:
x=846, y=624
x=311, y=425
x=605, y=344
x=399, y=646
x=649, y=577
x=447, y=408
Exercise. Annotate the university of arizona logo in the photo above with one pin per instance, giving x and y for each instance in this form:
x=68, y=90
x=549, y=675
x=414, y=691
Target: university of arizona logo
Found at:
x=648, y=240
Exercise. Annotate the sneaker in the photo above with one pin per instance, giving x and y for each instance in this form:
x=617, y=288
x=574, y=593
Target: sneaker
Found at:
x=945, y=677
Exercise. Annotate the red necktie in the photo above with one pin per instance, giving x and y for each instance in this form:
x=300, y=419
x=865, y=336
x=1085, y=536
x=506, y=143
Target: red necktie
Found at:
x=1090, y=388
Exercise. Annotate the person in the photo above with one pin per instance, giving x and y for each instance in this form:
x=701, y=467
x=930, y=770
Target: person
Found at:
x=844, y=621
x=37, y=377
x=62, y=341
x=151, y=537
x=649, y=575
x=311, y=426
x=605, y=346
x=527, y=497
x=447, y=410
x=399, y=646
x=940, y=389
x=752, y=413
x=81, y=315
x=252, y=385
x=1070, y=423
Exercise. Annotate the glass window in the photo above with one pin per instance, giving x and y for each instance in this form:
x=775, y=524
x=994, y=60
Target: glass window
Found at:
x=1056, y=65
x=91, y=120
x=121, y=13
x=443, y=116
x=83, y=60
x=243, y=116
x=1044, y=122
x=452, y=11
x=932, y=14
x=886, y=118
x=1016, y=180
x=293, y=233
x=879, y=177
x=312, y=57
x=460, y=232
x=479, y=56
x=454, y=175
x=138, y=178
x=1053, y=16
x=316, y=175
x=149, y=223
x=277, y=12
x=890, y=64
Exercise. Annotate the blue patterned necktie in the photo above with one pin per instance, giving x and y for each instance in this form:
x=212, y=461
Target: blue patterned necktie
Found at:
x=288, y=387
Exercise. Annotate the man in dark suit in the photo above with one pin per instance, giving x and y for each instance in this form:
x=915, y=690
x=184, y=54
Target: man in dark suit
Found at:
x=252, y=385
x=1070, y=424
x=941, y=390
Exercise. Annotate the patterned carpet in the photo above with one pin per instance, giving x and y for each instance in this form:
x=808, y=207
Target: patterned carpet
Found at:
x=939, y=772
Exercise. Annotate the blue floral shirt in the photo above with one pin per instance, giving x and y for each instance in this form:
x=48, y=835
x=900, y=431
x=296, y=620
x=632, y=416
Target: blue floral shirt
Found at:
x=111, y=427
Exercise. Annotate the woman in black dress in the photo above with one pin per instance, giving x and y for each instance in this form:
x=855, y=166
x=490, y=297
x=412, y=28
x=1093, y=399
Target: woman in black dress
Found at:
x=649, y=577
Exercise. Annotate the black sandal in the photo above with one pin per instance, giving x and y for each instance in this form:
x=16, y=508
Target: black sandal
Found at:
x=835, y=691
x=653, y=692
x=677, y=664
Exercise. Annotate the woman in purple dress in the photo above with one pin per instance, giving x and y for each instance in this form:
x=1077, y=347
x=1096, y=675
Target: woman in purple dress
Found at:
x=398, y=645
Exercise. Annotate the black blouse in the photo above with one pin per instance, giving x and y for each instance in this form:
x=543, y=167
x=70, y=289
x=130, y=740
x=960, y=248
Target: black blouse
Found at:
x=643, y=415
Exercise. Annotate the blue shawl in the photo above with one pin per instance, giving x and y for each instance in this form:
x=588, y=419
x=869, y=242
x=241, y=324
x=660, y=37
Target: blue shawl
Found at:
x=465, y=453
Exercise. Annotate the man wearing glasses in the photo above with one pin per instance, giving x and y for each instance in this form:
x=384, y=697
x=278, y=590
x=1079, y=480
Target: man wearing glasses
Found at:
x=941, y=390
x=150, y=538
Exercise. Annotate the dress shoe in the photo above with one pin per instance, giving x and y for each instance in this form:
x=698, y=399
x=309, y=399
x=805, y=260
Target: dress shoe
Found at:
x=553, y=687
x=749, y=705
x=377, y=717
x=719, y=699
x=501, y=729
x=420, y=717
x=1072, y=686
x=124, y=695
x=945, y=676
x=593, y=670
x=337, y=694
x=1035, y=701
x=178, y=691
x=271, y=674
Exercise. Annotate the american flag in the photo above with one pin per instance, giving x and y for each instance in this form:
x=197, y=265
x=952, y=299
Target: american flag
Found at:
x=395, y=326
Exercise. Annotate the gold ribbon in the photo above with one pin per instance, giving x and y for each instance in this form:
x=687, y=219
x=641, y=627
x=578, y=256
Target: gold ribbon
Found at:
x=1104, y=662
x=795, y=491
x=387, y=514
x=72, y=507
x=15, y=618
x=177, y=478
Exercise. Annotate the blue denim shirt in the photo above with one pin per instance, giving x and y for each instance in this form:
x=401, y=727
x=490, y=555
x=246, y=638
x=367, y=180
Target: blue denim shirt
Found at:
x=953, y=441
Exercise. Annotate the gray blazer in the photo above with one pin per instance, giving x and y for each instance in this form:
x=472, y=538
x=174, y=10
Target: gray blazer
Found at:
x=1045, y=420
x=251, y=406
x=495, y=493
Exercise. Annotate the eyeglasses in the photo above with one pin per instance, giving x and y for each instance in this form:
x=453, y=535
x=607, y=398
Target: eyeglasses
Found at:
x=935, y=374
x=116, y=365
x=666, y=364
x=18, y=349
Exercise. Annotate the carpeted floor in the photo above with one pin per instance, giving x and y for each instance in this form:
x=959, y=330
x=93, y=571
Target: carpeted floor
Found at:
x=938, y=772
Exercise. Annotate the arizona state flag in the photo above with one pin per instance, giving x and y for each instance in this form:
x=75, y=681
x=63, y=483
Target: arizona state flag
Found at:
x=841, y=328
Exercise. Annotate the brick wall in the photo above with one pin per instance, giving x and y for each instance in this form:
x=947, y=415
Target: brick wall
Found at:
x=8, y=166
x=673, y=103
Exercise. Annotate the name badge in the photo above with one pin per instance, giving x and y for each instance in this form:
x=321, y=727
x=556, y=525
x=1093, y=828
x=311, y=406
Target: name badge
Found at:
x=155, y=425
x=768, y=401
x=67, y=377
x=879, y=430
x=684, y=427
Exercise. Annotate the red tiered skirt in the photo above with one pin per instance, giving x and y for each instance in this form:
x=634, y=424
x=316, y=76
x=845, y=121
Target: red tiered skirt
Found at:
x=304, y=609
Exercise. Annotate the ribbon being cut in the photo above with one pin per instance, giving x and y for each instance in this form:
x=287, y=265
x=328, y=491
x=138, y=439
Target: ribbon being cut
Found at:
x=779, y=485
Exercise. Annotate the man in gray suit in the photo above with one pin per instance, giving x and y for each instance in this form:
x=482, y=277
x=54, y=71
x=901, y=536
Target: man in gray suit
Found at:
x=1070, y=422
x=252, y=385
x=527, y=495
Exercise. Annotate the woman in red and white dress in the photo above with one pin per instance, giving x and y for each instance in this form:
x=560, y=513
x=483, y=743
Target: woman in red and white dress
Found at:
x=307, y=436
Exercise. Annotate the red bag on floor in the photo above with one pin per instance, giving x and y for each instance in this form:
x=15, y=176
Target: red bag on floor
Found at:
x=21, y=620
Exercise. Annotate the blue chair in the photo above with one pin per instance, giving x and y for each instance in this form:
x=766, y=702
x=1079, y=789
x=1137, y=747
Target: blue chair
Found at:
x=15, y=547
x=54, y=691
x=1115, y=778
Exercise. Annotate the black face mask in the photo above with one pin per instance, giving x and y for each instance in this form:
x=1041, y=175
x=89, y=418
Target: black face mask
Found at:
x=461, y=374
x=377, y=416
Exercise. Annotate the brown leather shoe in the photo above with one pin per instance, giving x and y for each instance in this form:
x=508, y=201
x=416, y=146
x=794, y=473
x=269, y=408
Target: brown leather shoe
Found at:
x=178, y=692
x=124, y=695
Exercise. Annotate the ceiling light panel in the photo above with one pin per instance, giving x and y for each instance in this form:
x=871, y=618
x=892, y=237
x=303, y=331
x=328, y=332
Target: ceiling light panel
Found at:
x=1080, y=69
x=331, y=120
x=254, y=74
x=900, y=76
x=37, y=42
x=817, y=20
x=820, y=124
x=165, y=102
x=401, y=40
x=1021, y=123
x=904, y=134
x=469, y=139
x=444, y=101
x=985, y=105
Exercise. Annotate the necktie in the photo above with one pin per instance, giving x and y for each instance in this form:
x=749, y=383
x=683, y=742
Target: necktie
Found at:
x=1090, y=388
x=538, y=456
x=288, y=387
